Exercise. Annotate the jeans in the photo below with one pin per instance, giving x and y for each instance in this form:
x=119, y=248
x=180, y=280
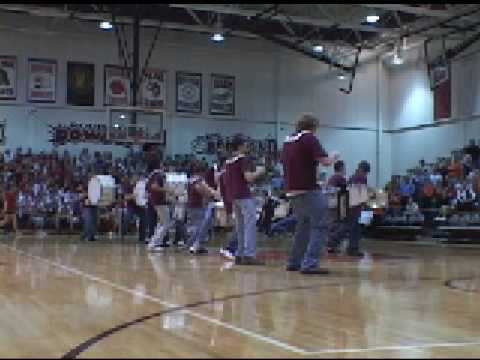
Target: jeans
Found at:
x=355, y=230
x=232, y=243
x=310, y=209
x=151, y=220
x=131, y=212
x=338, y=231
x=90, y=214
x=286, y=224
x=245, y=225
x=201, y=221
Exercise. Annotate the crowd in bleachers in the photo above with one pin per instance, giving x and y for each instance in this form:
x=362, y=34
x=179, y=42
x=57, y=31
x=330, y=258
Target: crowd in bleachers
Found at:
x=46, y=189
x=449, y=183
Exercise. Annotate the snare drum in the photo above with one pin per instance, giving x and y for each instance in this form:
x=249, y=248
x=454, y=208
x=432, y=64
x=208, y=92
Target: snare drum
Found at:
x=101, y=190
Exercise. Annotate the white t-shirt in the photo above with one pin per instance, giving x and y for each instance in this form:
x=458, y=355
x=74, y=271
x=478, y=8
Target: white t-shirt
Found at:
x=140, y=192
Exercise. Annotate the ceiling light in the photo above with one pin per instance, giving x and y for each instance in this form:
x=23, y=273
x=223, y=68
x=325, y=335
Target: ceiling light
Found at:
x=217, y=37
x=397, y=60
x=218, y=30
x=371, y=19
x=122, y=116
x=106, y=25
x=317, y=48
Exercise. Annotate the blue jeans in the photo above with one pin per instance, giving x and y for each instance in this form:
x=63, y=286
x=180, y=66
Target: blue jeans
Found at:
x=246, y=226
x=355, y=231
x=310, y=209
x=201, y=220
x=128, y=215
x=90, y=214
x=286, y=224
x=232, y=243
x=151, y=220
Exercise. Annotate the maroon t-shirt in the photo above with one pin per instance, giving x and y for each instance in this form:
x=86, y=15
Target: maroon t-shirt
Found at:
x=236, y=185
x=11, y=201
x=299, y=157
x=156, y=198
x=337, y=180
x=210, y=178
x=195, y=198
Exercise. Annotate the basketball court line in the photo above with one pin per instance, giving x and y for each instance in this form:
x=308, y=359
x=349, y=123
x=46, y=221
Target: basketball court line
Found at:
x=237, y=329
x=242, y=331
x=392, y=348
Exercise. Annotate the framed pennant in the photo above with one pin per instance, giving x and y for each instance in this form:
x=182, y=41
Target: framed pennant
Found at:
x=117, y=86
x=42, y=80
x=222, y=95
x=8, y=77
x=80, y=84
x=154, y=88
x=189, y=92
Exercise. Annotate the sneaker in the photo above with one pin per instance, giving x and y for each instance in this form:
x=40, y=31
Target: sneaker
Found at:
x=292, y=268
x=156, y=248
x=152, y=244
x=227, y=254
x=197, y=251
x=318, y=271
x=192, y=250
x=250, y=260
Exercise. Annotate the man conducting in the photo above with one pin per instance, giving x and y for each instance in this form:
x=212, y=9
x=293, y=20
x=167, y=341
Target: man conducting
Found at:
x=301, y=154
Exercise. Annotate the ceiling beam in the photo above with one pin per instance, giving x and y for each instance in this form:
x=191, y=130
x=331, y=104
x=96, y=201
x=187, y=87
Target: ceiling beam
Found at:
x=417, y=10
x=421, y=11
x=296, y=19
x=195, y=17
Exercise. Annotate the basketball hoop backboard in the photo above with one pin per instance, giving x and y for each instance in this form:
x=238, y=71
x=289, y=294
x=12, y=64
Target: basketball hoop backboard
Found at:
x=136, y=125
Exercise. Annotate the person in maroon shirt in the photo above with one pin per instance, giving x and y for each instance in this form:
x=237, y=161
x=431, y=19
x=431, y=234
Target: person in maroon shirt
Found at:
x=239, y=173
x=337, y=227
x=301, y=154
x=199, y=192
x=358, y=178
x=338, y=180
x=230, y=249
x=10, y=198
x=157, y=197
x=132, y=209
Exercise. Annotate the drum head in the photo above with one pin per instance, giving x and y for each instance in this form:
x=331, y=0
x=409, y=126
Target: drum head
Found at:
x=94, y=190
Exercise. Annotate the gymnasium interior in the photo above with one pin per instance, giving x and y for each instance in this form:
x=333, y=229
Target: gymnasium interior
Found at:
x=90, y=92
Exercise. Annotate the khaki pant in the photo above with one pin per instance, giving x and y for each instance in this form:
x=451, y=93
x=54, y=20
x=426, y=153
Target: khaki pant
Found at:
x=164, y=223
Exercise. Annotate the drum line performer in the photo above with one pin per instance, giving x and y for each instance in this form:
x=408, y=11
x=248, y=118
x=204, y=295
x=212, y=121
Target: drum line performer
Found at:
x=199, y=215
x=158, y=199
x=301, y=154
x=240, y=171
x=358, y=178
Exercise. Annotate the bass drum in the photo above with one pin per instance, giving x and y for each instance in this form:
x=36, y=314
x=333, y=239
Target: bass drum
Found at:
x=101, y=190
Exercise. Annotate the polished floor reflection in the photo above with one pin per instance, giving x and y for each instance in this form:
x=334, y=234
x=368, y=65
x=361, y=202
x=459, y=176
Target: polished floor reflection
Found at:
x=62, y=297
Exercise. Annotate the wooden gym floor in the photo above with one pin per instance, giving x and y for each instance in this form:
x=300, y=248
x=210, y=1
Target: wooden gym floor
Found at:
x=60, y=297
